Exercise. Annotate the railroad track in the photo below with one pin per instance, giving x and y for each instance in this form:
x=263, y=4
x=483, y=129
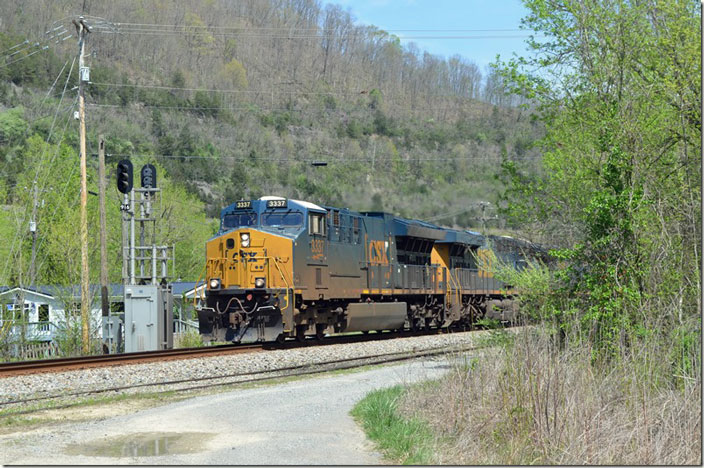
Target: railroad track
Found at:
x=67, y=400
x=11, y=369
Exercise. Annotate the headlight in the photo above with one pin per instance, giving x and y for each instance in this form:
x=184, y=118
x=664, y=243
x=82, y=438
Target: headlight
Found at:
x=244, y=239
x=259, y=282
x=215, y=283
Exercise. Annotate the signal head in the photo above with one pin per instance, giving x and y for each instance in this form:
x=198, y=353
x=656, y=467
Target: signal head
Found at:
x=124, y=176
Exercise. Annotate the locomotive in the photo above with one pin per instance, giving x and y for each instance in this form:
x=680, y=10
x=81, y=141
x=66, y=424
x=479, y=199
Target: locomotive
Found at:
x=280, y=268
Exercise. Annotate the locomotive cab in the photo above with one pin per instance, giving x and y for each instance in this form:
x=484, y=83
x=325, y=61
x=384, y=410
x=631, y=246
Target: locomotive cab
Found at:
x=249, y=270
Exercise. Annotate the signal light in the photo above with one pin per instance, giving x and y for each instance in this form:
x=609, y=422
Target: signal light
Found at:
x=148, y=176
x=124, y=176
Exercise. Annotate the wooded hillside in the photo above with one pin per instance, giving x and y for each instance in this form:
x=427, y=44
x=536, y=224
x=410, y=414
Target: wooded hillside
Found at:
x=235, y=99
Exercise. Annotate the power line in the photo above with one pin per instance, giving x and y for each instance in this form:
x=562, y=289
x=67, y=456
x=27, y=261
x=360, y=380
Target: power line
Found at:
x=44, y=45
x=45, y=41
x=294, y=32
x=26, y=41
x=160, y=25
x=332, y=158
x=255, y=107
x=48, y=93
x=24, y=57
x=227, y=91
x=56, y=114
x=20, y=233
x=261, y=92
x=298, y=36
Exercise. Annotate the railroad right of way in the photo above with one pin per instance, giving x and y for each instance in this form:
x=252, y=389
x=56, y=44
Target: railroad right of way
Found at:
x=201, y=372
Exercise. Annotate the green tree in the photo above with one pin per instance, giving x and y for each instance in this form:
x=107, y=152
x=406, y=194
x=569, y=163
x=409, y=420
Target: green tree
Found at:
x=618, y=87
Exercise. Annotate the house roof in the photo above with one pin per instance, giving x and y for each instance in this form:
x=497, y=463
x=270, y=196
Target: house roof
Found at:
x=114, y=289
x=4, y=290
x=181, y=287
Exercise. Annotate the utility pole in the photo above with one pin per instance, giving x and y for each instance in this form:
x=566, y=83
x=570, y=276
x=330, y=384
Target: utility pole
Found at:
x=33, y=230
x=83, y=75
x=103, y=229
x=483, y=205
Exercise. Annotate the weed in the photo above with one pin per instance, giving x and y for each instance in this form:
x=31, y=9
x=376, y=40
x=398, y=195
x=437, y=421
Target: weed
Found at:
x=533, y=402
x=408, y=441
x=189, y=339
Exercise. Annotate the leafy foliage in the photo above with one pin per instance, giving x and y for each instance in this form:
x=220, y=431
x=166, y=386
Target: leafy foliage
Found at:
x=619, y=90
x=249, y=126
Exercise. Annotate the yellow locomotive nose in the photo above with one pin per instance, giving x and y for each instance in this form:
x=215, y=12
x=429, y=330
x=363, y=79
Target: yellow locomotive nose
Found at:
x=247, y=258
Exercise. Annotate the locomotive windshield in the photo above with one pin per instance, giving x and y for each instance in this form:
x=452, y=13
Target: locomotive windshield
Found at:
x=294, y=218
x=233, y=220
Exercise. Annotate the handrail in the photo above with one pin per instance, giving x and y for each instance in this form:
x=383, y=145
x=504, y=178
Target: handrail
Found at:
x=288, y=287
x=195, y=288
x=458, y=289
x=276, y=264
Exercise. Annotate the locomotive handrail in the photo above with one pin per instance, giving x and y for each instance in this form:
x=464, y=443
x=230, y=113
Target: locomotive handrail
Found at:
x=457, y=286
x=283, y=277
x=195, y=289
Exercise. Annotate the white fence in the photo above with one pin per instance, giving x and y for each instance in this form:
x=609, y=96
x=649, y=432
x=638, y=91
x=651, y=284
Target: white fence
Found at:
x=183, y=326
x=12, y=330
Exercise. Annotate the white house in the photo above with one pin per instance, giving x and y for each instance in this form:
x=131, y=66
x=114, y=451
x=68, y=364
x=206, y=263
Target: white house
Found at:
x=49, y=309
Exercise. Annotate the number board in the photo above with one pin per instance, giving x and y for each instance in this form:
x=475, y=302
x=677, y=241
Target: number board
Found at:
x=241, y=205
x=276, y=203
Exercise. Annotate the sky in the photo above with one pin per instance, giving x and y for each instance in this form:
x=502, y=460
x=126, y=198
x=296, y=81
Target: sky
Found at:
x=396, y=15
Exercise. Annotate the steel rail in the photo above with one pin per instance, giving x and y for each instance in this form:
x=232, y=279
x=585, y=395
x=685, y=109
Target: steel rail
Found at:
x=116, y=359
x=11, y=369
x=264, y=375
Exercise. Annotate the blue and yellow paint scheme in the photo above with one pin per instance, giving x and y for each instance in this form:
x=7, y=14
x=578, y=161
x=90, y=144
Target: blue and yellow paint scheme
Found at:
x=287, y=268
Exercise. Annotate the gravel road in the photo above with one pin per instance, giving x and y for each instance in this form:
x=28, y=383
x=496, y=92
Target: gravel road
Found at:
x=300, y=422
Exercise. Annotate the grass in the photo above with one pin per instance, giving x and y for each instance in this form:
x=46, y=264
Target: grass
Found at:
x=189, y=339
x=406, y=441
x=526, y=401
x=495, y=337
x=17, y=421
x=16, y=416
x=531, y=403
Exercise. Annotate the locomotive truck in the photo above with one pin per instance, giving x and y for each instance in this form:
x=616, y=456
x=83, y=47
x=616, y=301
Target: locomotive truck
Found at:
x=280, y=268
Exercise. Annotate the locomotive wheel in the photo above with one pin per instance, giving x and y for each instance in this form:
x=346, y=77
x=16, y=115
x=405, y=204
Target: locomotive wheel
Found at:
x=281, y=338
x=301, y=333
x=320, y=331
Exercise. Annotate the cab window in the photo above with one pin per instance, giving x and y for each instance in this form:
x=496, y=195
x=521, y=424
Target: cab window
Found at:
x=283, y=219
x=233, y=220
x=316, y=224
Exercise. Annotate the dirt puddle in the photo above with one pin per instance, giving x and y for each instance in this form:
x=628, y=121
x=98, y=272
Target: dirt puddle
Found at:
x=143, y=444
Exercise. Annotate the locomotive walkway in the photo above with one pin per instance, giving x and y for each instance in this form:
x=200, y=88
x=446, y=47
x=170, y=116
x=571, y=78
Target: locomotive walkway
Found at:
x=301, y=422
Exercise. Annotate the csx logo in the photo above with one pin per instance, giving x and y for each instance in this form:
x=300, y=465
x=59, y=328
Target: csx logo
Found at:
x=246, y=257
x=377, y=252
